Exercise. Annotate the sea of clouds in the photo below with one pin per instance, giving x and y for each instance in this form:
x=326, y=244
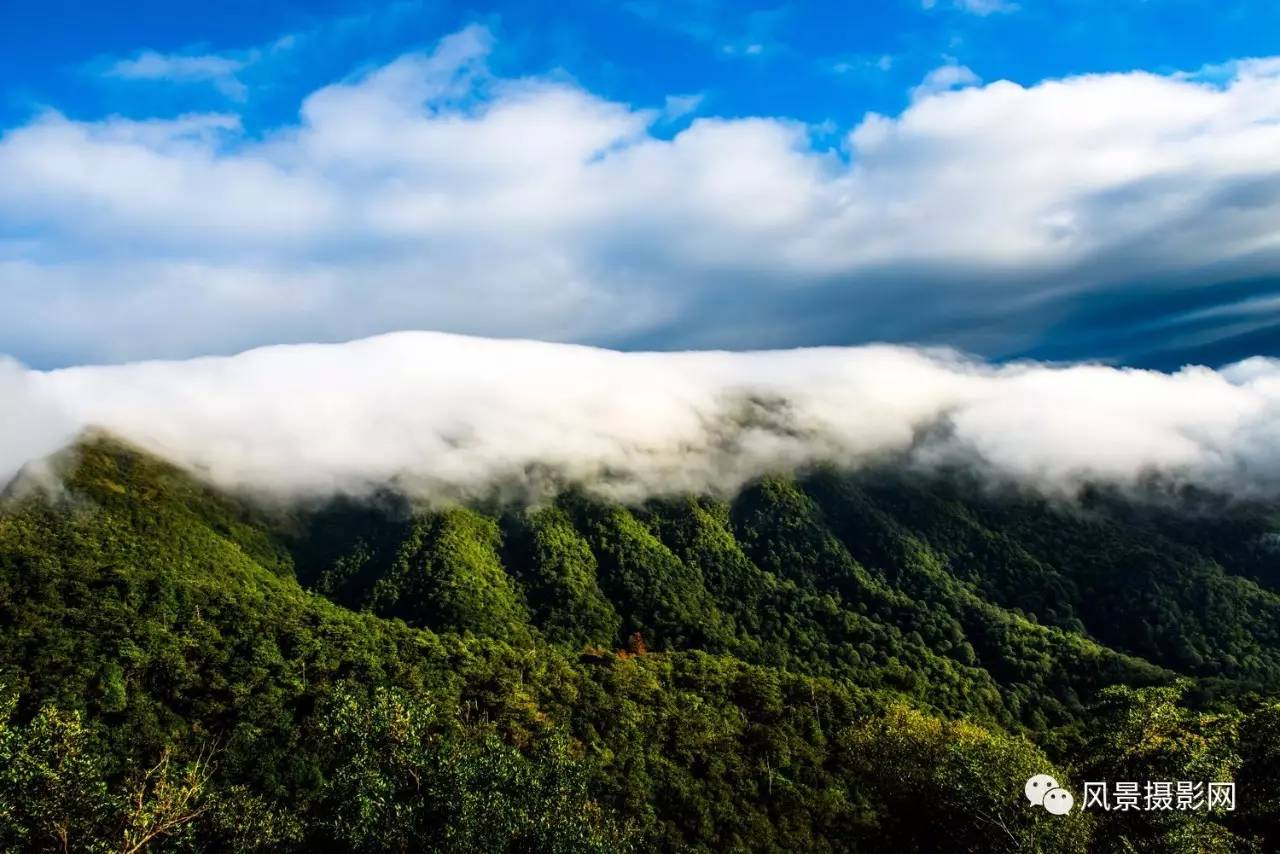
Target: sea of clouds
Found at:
x=448, y=416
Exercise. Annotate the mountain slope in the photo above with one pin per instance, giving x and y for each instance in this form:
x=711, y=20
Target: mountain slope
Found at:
x=844, y=662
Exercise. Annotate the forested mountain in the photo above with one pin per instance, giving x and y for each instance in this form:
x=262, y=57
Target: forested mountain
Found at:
x=872, y=660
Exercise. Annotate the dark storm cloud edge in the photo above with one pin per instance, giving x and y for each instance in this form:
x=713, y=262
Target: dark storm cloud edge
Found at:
x=448, y=416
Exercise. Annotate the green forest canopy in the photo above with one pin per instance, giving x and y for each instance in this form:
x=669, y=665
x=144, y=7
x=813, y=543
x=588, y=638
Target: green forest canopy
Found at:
x=844, y=661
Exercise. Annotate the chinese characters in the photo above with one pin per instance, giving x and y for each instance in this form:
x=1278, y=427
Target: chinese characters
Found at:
x=1180, y=795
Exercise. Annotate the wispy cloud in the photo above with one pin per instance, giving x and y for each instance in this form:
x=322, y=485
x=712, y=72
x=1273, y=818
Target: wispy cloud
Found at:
x=988, y=7
x=860, y=64
x=680, y=106
x=732, y=33
x=981, y=8
x=233, y=72
x=945, y=78
x=215, y=69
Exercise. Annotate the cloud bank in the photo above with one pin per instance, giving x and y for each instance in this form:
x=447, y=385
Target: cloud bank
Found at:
x=448, y=417
x=431, y=193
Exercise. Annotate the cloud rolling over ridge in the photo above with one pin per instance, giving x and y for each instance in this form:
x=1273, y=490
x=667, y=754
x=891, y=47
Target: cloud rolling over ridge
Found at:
x=450, y=416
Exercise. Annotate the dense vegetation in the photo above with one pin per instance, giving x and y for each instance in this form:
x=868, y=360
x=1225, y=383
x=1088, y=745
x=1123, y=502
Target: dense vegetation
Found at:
x=871, y=661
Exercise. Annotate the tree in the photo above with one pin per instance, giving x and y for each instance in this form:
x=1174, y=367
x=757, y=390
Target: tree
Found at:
x=166, y=801
x=52, y=790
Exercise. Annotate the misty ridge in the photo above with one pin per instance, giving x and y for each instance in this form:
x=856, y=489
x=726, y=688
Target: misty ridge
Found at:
x=453, y=418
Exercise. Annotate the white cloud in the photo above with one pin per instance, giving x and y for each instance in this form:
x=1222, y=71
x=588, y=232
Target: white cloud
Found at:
x=452, y=416
x=987, y=7
x=215, y=69
x=430, y=194
x=982, y=8
x=679, y=106
x=944, y=78
x=861, y=64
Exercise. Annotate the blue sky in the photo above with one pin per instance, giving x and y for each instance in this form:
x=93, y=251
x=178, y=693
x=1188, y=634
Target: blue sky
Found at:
x=818, y=62
x=177, y=181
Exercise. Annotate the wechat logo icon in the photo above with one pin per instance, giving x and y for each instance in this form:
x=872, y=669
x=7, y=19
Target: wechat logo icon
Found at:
x=1044, y=791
